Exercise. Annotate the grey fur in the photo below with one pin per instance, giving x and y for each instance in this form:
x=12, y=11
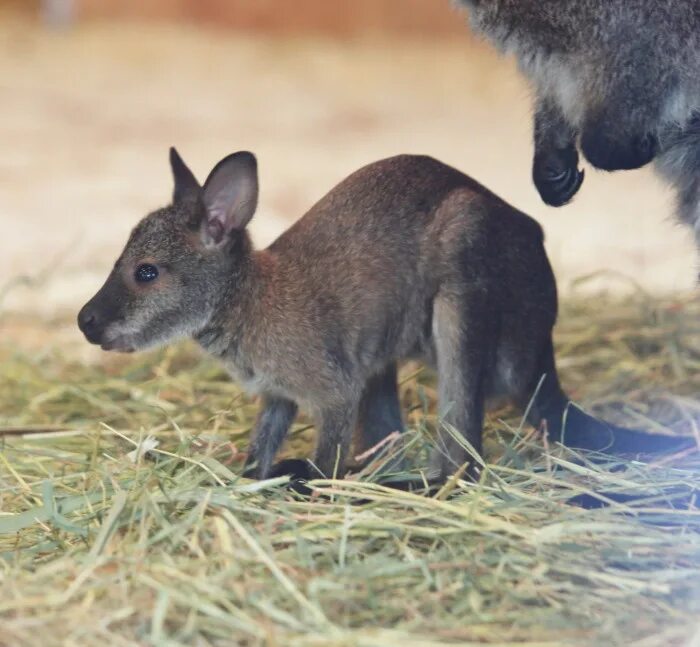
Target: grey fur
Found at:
x=618, y=78
x=406, y=258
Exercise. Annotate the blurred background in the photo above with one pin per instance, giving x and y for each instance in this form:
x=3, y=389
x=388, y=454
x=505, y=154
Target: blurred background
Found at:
x=92, y=93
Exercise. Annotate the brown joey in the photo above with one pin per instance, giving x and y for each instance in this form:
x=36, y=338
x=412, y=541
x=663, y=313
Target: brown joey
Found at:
x=406, y=258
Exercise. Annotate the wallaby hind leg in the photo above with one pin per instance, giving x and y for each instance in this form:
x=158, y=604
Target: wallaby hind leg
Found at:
x=335, y=427
x=543, y=397
x=574, y=428
x=380, y=409
x=271, y=427
x=461, y=341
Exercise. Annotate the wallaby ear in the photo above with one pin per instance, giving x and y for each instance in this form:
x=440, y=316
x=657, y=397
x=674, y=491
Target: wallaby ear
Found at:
x=230, y=196
x=186, y=185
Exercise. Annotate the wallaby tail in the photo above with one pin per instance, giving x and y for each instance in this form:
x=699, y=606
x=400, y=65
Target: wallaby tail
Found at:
x=571, y=426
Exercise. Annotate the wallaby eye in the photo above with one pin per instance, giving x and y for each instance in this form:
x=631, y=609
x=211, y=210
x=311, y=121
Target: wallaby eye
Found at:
x=145, y=273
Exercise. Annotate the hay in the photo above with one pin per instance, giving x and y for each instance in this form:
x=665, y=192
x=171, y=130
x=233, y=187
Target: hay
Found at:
x=103, y=542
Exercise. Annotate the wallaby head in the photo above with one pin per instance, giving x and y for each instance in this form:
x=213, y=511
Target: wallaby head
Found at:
x=179, y=261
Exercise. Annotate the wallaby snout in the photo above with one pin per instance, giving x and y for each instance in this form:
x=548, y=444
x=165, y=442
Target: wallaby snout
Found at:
x=97, y=320
x=104, y=319
x=89, y=323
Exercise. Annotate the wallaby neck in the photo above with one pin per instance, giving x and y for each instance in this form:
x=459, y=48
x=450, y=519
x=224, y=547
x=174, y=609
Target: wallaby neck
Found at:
x=241, y=283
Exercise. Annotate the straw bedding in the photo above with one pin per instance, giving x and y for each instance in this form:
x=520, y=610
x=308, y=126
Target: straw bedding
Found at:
x=123, y=518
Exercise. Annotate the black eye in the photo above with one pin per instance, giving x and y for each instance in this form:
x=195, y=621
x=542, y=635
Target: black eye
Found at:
x=146, y=273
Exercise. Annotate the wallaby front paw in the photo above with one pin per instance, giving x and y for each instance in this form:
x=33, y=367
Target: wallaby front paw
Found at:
x=556, y=176
x=613, y=153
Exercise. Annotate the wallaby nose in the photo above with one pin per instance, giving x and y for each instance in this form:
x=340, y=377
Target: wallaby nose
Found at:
x=88, y=322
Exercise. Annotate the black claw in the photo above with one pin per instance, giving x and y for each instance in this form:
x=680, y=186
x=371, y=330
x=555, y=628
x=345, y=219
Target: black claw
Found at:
x=568, y=188
x=298, y=469
x=557, y=177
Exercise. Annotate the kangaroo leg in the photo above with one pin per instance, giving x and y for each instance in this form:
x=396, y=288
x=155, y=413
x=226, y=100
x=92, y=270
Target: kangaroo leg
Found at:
x=461, y=342
x=543, y=397
x=335, y=427
x=380, y=410
x=548, y=404
x=271, y=427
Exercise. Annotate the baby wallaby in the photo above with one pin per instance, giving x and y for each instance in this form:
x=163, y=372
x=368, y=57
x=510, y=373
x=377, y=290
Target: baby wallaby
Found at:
x=406, y=258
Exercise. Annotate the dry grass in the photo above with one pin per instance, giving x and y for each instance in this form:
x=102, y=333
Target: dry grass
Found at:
x=175, y=548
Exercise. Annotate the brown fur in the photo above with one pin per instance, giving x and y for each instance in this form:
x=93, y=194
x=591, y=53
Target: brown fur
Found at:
x=406, y=258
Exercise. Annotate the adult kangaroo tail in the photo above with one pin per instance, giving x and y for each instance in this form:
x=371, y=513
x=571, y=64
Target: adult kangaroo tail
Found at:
x=571, y=426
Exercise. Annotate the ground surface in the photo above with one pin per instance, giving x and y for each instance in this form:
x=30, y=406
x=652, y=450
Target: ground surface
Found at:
x=175, y=548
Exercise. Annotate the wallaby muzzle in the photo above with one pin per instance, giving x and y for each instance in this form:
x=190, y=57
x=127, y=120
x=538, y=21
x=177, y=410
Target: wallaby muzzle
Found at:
x=98, y=315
